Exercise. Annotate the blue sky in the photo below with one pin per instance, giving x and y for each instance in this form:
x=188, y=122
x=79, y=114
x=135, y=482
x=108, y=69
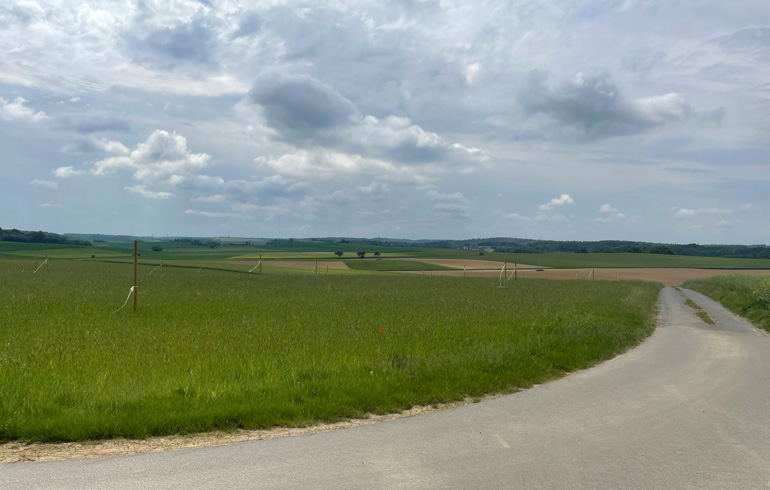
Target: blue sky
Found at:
x=636, y=119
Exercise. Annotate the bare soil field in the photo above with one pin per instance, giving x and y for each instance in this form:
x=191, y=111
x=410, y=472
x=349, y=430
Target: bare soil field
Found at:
x=668, y=277
x=471, y=264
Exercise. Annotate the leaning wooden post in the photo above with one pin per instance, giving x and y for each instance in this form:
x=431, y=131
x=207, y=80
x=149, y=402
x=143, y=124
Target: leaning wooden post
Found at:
x=136, y=277
x=505, y=273
x=47, y=269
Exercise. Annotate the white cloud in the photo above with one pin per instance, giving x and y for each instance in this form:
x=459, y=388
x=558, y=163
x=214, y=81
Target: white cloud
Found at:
x=724, y=223
x=16, y=110
x=557, y=201
x=139, y=189
x=685, y=212
x=66, y=172
x=214, y=198
x=75, y=99
x=162, y=156
x=609, y=214
x=44, y=183
x=550, y=217
x=438, y=196
x=215, y=214
x=48, y=205
x=517, y=216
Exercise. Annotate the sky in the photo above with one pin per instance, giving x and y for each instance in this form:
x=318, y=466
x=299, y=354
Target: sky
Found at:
x=568, y=120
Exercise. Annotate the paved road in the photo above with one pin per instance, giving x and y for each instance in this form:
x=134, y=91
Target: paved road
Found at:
x=688, y=409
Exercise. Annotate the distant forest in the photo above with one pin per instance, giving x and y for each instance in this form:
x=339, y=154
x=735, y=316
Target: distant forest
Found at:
x=522, y=245
x=15, y=235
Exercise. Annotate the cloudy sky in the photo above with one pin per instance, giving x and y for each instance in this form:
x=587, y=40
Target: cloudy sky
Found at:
x=585, y=120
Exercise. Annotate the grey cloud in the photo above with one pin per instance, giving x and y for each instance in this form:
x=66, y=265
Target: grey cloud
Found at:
x=751, y=39
x=250, y=23
x=592, y=103
x=300, y=106
x=168, y=47
x=94, y=124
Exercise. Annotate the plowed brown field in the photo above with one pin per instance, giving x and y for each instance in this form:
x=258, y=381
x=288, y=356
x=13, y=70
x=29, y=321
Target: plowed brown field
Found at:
x=669, y=277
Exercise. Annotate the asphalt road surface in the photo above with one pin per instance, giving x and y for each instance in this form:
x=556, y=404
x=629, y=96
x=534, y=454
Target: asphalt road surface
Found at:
x=687, y=409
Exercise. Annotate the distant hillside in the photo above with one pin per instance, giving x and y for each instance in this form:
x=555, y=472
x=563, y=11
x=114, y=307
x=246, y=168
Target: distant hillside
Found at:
x=523, y=245
x=22, y=236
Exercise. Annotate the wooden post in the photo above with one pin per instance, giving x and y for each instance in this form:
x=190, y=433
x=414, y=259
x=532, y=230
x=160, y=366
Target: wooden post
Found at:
x=593, y=274
x=515, y=271
x=47, y=269
x=136, y=277
x=161, y=269
x=316, y=267
x=463, y=270
x=505, y=273
x=260, y=264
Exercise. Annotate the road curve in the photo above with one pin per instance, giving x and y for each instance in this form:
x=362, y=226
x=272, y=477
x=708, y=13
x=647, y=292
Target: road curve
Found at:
x=687, y=409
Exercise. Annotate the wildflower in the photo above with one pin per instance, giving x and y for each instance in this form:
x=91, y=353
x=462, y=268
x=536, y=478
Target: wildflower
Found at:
x=382, y=330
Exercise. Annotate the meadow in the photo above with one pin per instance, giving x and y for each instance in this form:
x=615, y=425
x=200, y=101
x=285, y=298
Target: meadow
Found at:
x=746, y=296
x=213, y=349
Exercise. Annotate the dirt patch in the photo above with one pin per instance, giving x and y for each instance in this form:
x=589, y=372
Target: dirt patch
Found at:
x=471, y=264
x=16, y=452
x=669, y=277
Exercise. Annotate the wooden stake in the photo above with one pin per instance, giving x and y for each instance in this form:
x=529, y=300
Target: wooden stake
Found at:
x=593, y=274
x=136, y=277
x=47, y=269
x=505, y=273
x=161, y=269
x=515, y=271
x=260, y=264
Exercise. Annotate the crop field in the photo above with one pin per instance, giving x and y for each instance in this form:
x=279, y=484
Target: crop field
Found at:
x=747, y=296
x=212, y=349
x=395, y=265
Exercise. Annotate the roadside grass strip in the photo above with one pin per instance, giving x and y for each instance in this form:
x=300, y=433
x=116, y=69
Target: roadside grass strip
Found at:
x=705, y=317
x=211, y=350
x=747, y=296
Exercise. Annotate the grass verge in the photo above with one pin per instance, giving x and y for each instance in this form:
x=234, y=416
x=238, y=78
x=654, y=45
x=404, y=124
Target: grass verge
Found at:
x=212, y=350
x=747, y=296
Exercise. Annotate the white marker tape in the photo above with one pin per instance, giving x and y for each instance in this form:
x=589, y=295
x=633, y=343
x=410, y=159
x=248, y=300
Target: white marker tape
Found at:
x=260, y=261
x=127, y=298
x=155, y=269
x=41, y=265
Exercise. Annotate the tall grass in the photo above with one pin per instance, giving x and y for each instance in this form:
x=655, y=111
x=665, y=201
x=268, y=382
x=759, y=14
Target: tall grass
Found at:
x=214, y=350
x=748, y=296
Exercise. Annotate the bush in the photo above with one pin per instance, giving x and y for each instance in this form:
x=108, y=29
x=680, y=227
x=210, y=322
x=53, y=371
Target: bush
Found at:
x=157, y=248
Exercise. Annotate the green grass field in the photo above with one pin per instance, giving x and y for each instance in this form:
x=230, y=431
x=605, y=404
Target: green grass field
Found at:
x=747, y=296
x=217, y=350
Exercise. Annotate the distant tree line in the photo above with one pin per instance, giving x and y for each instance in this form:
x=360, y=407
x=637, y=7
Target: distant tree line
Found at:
x=522, y=245
x=14, y=235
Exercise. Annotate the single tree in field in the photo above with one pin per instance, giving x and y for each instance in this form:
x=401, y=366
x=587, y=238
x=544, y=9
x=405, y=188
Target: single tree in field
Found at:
x=361, y=254
x=377, y=254
x=338, y=253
